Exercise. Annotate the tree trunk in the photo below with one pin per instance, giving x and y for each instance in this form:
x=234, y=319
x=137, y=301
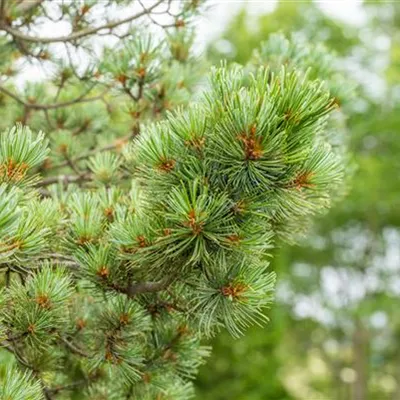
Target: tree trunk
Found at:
x=396, y=394
x=360, y=351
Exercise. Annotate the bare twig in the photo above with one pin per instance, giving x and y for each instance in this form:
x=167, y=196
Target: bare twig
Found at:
x=68, y=386
x=2, y=8
x=90, y=153
x=76, y=35
x=73, y=348
x=19, y=358
x=22, y=361
x=64, y=179
x=72, y=165
x=142, y=287
x=8, y=277
x=28, y=5
x=164, y=26
x=36, y=106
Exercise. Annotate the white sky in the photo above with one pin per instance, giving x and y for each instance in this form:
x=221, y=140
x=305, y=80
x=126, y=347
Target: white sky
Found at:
x=213, y=22
x=221, y=11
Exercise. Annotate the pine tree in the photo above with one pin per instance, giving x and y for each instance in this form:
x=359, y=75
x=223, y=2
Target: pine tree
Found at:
x=156, y=234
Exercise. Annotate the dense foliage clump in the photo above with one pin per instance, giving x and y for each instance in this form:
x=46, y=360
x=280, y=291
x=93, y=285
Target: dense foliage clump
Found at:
x=115, y=270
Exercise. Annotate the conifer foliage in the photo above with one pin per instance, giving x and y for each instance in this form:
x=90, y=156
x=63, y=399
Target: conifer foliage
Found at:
x=117, y=270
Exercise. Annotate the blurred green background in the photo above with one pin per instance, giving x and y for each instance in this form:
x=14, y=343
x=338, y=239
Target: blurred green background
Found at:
x=335, y=327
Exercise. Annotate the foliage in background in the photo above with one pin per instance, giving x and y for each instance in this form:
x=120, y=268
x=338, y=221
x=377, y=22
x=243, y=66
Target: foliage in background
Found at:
x=244, y=34
x=338, y=291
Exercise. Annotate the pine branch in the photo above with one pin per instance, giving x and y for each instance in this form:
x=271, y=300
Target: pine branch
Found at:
x=2, y=8
x=67, y=386
x=64, y=179
x=35, y=106
x=19, y=358
x=47, y=394
x=22, y=361
x=111, y=146
x=185, y=241
x=142, y=287
x=27, y=5
x=73, y=348
x=76, y=35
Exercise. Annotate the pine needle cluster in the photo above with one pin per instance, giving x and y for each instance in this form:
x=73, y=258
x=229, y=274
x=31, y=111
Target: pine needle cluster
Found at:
x=114, y=276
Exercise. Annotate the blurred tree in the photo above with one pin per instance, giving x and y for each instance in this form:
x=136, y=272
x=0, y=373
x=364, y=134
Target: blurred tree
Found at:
x=341, y=286
x=241, y=370
x=243, y=34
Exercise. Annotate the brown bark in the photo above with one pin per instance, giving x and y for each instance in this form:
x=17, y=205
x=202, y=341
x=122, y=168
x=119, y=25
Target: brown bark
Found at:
x=396, y=393
x=360, y=361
